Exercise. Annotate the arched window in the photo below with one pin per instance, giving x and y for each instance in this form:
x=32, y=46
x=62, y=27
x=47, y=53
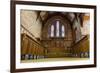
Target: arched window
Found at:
x=62, y=31
x=57, y=29
x=52, y=31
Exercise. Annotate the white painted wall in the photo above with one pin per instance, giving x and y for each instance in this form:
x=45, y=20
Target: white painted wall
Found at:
x=28, y=20
x=86, y=27
x=78, y=32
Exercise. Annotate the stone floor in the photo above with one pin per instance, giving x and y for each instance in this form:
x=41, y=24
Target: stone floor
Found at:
x=53, y=59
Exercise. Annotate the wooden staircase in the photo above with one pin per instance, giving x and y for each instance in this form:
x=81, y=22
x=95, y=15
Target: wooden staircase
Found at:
x=81, y=48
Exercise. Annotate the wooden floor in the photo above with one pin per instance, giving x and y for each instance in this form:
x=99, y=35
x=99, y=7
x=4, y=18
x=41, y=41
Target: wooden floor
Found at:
x=53, y=59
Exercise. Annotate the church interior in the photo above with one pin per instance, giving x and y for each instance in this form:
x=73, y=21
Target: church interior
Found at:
x=51, y=34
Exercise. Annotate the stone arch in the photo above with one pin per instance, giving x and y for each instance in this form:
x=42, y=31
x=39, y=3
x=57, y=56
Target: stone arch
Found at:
x=64, y=21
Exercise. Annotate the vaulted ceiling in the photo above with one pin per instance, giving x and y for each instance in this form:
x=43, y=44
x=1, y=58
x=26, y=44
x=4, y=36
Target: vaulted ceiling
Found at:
x=70, y=16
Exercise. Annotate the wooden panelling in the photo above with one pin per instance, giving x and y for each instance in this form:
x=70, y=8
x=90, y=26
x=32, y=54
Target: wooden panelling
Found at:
x=24, y=44
x=81, y=47
x=30, y=46
x=57, y=47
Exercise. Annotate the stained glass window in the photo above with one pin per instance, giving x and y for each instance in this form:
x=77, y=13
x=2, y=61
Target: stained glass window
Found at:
x=52, y=31
x=57, y=29
x=62, y=31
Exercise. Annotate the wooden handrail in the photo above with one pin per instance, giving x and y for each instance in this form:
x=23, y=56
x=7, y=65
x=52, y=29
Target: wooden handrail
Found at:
x=33, y=40
x=28, y=31
x=85, y=37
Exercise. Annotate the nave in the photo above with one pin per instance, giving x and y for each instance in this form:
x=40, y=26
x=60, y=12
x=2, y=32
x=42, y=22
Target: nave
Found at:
x=53, y=35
